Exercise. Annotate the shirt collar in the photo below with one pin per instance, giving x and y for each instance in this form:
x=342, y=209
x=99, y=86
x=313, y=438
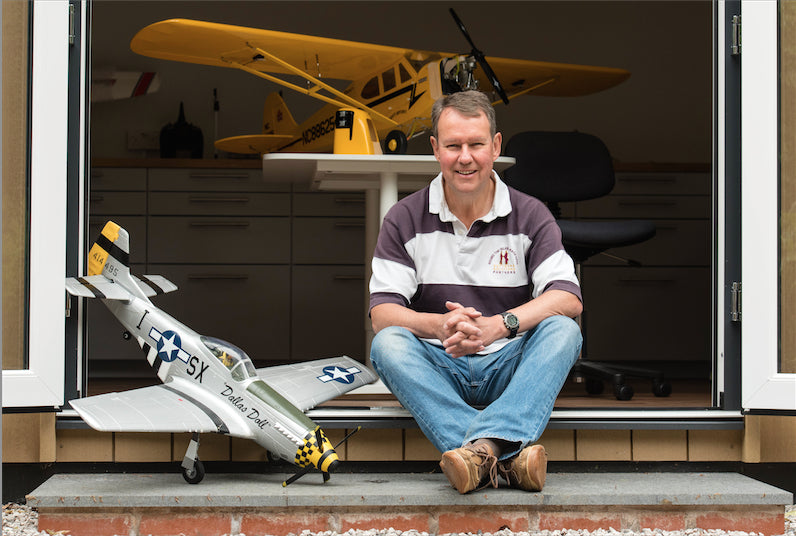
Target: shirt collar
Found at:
x=501, y=204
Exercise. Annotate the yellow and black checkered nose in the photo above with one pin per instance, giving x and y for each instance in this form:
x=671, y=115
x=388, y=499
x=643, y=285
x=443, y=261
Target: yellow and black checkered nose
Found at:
x=321, y=456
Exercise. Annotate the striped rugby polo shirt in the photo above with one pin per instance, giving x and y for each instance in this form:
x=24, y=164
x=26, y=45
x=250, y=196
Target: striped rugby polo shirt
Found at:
x=425, y=256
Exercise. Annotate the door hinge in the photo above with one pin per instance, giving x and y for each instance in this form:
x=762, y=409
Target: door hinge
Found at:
x=72, y=34
x=735, y=306
x=735, y=49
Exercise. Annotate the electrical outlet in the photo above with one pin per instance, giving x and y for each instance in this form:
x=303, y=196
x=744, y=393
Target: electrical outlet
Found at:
x=143, y=140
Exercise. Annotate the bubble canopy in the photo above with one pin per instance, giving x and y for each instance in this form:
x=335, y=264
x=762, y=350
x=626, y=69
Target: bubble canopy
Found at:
x=235, y=359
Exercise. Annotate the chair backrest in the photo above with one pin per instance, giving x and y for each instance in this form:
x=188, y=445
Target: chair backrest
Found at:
x=559, y=166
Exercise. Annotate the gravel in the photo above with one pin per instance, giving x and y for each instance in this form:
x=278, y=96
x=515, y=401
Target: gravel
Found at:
x=21, y=520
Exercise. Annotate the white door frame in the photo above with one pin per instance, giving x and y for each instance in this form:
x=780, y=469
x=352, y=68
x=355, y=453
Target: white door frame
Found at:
x=763, y=387
x=42, y=383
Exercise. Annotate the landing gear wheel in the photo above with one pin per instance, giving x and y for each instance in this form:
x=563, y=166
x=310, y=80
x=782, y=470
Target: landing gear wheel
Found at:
x=594, y=387
x=396, y=142
x=195, y=474
x=623, y=392
x=661, y=388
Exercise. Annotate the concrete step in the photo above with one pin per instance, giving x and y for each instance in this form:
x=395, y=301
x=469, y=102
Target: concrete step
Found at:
x=254, y=504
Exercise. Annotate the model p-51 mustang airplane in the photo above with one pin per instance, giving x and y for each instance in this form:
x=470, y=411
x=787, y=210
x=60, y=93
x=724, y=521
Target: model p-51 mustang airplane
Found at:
x=209, y=385
x=392, y=89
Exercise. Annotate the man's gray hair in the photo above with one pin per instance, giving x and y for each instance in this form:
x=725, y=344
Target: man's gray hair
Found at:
x=468, y=103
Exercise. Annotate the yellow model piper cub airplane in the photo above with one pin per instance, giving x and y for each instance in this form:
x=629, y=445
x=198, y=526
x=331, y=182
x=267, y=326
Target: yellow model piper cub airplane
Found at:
x=392, y=89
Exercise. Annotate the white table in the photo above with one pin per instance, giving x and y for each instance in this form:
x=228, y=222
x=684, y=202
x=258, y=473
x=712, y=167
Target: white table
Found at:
x=381, y=177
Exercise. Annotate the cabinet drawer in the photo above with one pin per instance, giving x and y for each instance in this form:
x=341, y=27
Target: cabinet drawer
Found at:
x=245, y=305
x=631, y=183
x=213, y=240
x=135, y=227
x=328, y=204
x=219, y=204
x=676, y=243
x=639, y=314
x=113, y=203
x=131, y=179
x=340, y=289
x=328, y=240
x=646, y=206
x=212, y=180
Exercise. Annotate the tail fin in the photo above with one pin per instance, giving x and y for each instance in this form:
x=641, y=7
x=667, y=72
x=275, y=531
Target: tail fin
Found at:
x=276, y=117
x=110, y=254
x=110, y=257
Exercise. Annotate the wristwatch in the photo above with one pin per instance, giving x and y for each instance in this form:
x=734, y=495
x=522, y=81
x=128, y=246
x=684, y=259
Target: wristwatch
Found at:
x=512, y=323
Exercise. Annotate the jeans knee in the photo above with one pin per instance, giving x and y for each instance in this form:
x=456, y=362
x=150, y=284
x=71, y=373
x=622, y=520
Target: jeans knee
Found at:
x=565, y=331
x=388, y=345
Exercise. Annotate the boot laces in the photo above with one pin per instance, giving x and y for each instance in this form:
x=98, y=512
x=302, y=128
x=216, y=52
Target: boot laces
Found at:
x=487, y=459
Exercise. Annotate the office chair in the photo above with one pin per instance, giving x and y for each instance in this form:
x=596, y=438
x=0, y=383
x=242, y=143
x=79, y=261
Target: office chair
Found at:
x=559, y=167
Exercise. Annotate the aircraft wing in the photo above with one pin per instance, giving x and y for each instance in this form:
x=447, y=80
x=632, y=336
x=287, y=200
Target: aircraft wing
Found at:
x=158, y=408
x=210, y=43
x=550, y=79
x=305, y=385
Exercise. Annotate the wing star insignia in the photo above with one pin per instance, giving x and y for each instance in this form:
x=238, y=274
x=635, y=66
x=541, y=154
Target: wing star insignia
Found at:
x=339, y=374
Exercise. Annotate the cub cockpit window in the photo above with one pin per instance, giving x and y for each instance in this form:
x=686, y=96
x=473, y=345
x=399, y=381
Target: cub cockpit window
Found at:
x=371, y=89
x=388, y=79
x=235, y=359
x=405, y=76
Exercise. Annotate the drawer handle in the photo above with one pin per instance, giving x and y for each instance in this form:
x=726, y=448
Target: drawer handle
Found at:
x=218, y=277
x=647, y=203
x=219, y=224
x=647, y=282
x=219, y=175
x=217, y=199
x=346, y=277
x=349, y=224
x=647, y=179
x=349, y=200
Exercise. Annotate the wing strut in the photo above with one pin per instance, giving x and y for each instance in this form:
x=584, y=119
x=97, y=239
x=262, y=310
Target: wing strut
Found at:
x=344, y=100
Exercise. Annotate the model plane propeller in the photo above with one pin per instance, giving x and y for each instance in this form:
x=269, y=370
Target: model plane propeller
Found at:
x=391, y=89
x=209, y=385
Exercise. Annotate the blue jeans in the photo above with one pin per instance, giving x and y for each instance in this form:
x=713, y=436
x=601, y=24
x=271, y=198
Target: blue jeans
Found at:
x=516, y=386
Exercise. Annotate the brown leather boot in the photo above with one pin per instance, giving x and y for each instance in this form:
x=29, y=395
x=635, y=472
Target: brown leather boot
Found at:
x=527, y=470
x=470, y=466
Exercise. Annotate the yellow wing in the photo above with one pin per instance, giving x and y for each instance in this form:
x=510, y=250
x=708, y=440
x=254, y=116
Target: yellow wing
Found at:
x=210, y=43
x=315, y=58
x=547, y=79
x=254, y=143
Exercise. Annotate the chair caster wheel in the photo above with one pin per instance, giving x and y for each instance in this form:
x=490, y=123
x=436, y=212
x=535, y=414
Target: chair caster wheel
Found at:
x=661, y=388
x=623, y=392
x=594, y=387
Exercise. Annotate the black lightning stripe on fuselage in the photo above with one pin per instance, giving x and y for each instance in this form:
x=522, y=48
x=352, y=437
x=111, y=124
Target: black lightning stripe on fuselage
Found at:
x=152, y=284
x=113, y=250
x=94, y=290
x=220, y=426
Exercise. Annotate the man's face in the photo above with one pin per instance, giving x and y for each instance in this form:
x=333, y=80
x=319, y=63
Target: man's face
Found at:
x=465, y=151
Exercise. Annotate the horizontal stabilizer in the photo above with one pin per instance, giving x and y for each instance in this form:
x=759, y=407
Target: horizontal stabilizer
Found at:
x=96, y=286
x=254, y=143
x=152, y=285
x=305, y=385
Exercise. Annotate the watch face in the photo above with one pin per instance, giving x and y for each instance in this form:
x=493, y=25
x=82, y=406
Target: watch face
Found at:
x=511, y=320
